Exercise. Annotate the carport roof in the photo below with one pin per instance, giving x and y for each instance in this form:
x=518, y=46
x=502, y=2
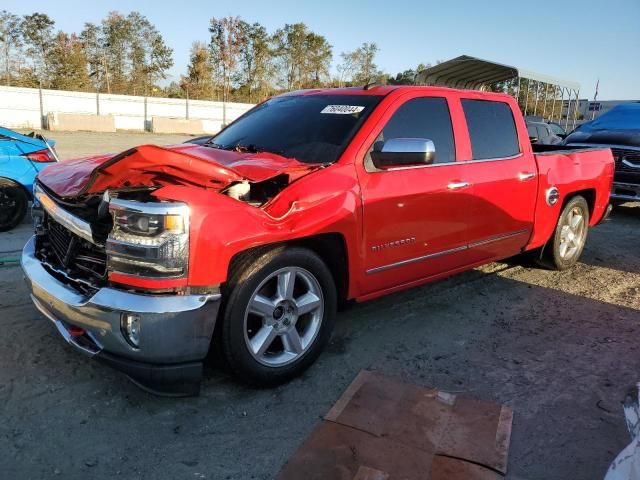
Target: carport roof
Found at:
x=471, y=72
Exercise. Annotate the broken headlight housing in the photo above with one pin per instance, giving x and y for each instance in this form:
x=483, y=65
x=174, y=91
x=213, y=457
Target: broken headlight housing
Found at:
x=148, y=239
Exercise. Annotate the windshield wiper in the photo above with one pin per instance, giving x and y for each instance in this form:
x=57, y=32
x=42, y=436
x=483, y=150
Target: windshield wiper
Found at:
x=211, y=144
x=252, y=148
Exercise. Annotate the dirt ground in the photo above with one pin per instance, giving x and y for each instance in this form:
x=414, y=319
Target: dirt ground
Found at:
x=560, y=348
x=79, y=144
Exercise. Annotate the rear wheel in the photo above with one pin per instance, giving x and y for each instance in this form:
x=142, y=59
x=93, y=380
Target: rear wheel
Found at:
x=13, y=204
x=279, y=315
x=565, y=247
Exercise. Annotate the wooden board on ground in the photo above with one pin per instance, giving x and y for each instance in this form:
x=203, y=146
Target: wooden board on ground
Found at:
x=382, y=428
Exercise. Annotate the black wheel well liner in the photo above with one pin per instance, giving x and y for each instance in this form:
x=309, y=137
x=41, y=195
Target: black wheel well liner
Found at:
x=330, y=247
x=589, y=194
x=12, y=181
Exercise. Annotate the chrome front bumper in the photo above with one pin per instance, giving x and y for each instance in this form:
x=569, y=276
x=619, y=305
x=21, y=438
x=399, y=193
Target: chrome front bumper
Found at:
x=629, y=192
x=174, y=330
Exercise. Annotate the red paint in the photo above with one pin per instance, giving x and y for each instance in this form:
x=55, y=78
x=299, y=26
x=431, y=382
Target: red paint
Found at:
x=499, y=214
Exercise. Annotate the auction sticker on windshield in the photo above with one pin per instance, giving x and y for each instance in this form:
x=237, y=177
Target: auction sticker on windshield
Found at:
x=342, y=109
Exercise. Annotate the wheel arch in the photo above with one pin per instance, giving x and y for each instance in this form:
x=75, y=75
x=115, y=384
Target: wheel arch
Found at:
x=18, y=184
x=589, y=194
x=330, y=247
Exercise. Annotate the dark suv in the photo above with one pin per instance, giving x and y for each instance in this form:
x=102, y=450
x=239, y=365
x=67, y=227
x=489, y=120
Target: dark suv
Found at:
x=618, y=129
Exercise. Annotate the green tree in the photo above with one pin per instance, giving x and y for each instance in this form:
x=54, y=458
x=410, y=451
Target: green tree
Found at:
x=290, y=50
x=227, y=41
x=318, y=61
x=149, y=56
x=37, y=33
x=358, y=67
x=198, y=83
x=68, y=64
x=115, y=35
x=10, y=45
x=256, y=62
x=91, y=41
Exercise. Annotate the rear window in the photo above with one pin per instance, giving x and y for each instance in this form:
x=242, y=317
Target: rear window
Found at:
x=491, y=128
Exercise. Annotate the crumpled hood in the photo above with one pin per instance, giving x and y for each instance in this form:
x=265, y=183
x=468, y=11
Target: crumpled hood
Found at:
x=154, y=166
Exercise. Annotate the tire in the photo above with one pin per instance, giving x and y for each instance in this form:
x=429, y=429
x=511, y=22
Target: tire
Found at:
x=564, y=248
x=266, y=340
x=13, y=204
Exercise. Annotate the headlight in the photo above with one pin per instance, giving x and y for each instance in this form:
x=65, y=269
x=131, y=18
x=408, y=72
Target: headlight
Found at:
x=148, y=239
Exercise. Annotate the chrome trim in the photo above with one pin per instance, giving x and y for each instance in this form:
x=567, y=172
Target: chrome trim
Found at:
x=480, y=243
x=174, y=328
x=409, y=261
x=498, y=159
x=445, y=164
x=627, y=186
x=89, y=350
x=458, y=185
x=635, y=166
x=552, y=196
x=524, y=176
x=152, y=208
x=498, y=238
x=63, y=217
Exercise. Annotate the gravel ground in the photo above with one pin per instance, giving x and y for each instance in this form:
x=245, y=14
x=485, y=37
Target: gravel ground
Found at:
x=559, y=348
x=79, y=144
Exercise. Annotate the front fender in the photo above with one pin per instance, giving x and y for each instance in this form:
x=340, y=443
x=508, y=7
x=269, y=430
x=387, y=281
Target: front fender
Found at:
x=222, y=227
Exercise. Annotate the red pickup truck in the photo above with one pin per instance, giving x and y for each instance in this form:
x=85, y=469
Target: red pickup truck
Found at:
x=252, y=239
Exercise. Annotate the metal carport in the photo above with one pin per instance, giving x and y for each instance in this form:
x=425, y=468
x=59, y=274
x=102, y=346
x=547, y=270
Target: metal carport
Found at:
x=526, y=86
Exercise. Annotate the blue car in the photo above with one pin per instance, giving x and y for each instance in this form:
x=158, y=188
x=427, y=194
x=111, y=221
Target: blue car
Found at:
x=21, y=158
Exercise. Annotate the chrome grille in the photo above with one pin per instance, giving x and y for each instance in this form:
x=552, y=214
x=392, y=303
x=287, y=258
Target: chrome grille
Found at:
x=80, y=260
x=631, y=156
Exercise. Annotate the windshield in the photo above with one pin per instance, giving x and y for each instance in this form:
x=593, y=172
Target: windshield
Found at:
x=309, y=128
x=622, y=117
x=557, y=129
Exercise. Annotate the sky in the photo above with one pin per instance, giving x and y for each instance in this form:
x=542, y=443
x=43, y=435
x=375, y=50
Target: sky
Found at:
x=574, y=40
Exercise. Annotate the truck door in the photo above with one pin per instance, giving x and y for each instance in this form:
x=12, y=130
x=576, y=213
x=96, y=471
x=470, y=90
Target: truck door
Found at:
x=504, y=181
x=414, y=217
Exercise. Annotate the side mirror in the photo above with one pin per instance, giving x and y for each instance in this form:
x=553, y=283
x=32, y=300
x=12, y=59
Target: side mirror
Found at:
x=533, y=139
x=403, y=152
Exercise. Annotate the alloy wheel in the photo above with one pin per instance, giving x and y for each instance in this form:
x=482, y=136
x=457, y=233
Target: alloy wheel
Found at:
x=572, y=234
x=283, y=316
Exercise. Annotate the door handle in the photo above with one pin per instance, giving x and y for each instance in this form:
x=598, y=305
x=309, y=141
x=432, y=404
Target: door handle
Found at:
x=524, y=176
x=458, y=185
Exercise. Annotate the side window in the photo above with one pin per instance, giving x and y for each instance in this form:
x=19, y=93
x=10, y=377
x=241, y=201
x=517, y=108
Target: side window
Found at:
x=426, y=117
x=491, y=128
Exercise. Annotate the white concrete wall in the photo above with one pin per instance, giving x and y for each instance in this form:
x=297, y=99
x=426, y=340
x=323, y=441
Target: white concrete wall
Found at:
x=20, y=108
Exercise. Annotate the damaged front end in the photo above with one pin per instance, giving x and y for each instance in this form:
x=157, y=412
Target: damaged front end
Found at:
x=101, y=223
x=109, y=264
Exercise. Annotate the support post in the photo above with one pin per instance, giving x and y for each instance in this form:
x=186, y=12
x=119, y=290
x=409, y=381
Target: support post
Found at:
x=42, y=120
x=97, y=102
x=575, y=110
x=146, y=127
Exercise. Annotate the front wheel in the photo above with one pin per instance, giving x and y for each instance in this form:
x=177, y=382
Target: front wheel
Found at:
x=278, y=315
x=565, y=246
x=13, y=204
